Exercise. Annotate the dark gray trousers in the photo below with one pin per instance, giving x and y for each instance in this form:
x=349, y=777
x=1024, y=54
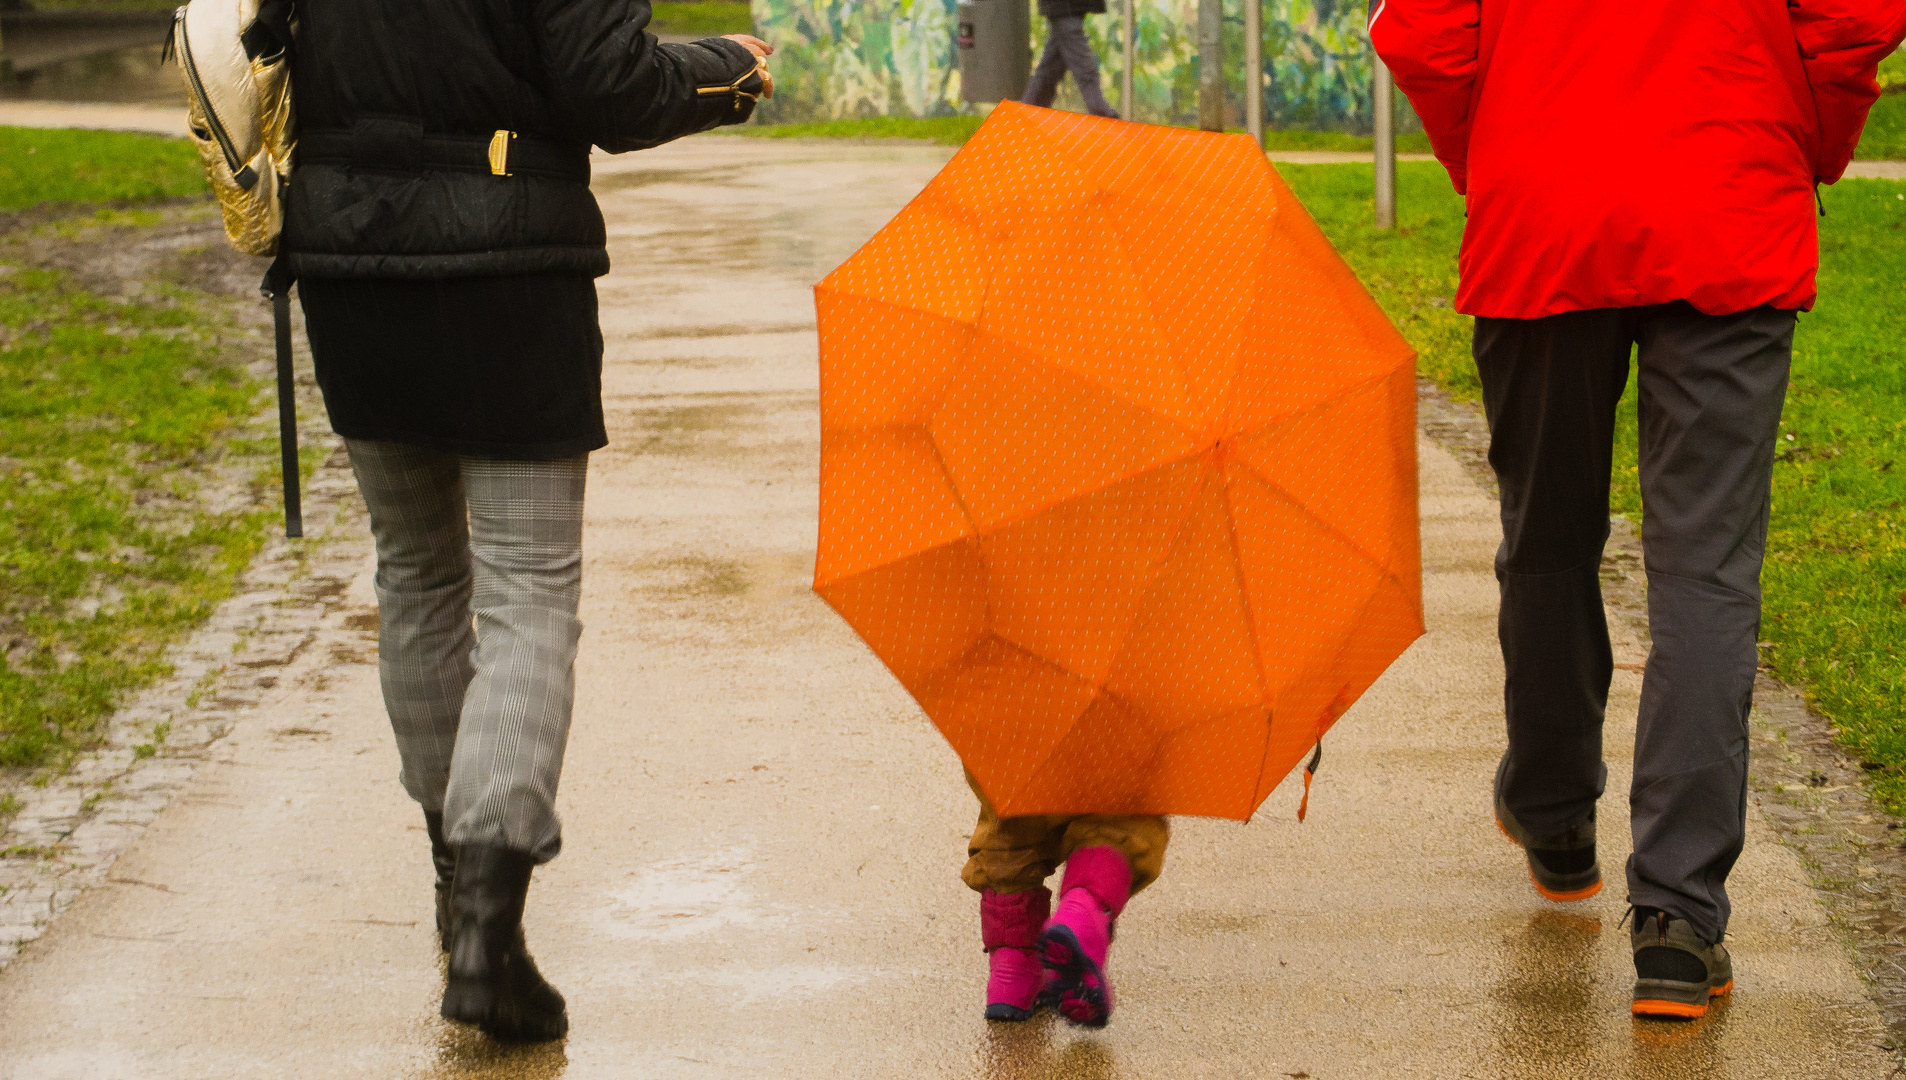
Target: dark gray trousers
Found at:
x=479, y=575
x=1711, y=388
x=1067, y=50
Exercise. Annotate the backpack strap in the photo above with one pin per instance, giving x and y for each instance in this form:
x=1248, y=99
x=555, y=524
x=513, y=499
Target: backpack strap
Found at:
x=277, y=287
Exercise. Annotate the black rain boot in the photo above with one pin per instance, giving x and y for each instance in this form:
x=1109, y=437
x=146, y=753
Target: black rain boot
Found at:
x=493, y=983
x=445, y=860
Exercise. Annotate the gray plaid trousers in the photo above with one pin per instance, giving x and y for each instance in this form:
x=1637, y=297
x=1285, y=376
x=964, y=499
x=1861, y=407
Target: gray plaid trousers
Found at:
x=479, y=573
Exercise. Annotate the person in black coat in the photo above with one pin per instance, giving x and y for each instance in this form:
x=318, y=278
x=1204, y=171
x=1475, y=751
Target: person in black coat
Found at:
x=445, y=242
x=1068, y=50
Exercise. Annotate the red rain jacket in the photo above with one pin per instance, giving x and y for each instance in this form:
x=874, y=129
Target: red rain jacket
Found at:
x=1617, y=154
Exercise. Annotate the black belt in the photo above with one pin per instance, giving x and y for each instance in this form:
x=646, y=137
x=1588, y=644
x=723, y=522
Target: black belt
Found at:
x=401, y=146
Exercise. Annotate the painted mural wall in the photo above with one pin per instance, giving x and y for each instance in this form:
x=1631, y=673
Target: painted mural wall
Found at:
x=849, y=58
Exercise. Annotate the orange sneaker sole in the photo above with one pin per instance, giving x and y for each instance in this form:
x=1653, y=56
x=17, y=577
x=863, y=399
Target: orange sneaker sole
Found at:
x=1568, y=897
x=1679, y=1009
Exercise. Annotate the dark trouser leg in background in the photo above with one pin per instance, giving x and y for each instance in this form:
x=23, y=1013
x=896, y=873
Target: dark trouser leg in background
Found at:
x=1550, y=387
x=1067, y=49
x=1711, y=392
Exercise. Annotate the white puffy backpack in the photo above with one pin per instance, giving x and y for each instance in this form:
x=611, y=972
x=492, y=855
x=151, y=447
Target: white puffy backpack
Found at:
x=236, y=59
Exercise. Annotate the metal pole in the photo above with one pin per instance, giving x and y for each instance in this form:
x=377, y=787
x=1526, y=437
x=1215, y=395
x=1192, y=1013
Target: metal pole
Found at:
x=1211, y=65
x=1383, y=110
x=1131, y=50
x=1254, y=69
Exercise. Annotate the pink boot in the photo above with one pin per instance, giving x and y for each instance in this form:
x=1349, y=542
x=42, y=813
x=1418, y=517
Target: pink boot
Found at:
x=1093, y=892
x=1009, y=927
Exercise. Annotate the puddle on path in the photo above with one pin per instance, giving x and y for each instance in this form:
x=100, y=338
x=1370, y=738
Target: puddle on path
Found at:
x=687, y=898
x=464, y=1053
x=1042, y=1049
x=1547, y=1006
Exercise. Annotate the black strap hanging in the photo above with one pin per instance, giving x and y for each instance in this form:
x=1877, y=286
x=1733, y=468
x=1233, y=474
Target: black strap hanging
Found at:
x=277, y=286
x=1310, y=770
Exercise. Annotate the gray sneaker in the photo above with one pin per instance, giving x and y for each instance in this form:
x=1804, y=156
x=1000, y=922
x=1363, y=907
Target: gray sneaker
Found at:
x=1676, y=973
x=1563, y=868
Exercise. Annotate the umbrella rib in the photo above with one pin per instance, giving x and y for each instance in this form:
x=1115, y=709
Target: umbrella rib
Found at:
x=1250, y=624
x=1362, y=613
x=1028, y=515
x=1380, y=565
x=1016, y=647
x=1037, y=356
x=894, y=304
x=1158, y=571
x=1318, y=406
x=890, y=563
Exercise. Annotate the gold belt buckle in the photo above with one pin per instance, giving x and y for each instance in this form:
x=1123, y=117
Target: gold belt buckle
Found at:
x=500, y=153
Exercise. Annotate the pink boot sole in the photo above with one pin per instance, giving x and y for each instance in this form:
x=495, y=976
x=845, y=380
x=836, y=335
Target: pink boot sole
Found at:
x=1077, y=987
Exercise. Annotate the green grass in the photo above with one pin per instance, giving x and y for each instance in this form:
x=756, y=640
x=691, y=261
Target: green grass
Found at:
x=945, y=130
x=1885, y=136
x=56, y=165
x=955, y=130
x=113, y=415
x=705, y=17
x=110, y=415
x=1835, y=578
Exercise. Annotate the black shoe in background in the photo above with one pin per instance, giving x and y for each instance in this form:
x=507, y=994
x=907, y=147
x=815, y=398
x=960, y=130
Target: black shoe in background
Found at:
x=1562, y=868
x=445, y=860
x=493, y=983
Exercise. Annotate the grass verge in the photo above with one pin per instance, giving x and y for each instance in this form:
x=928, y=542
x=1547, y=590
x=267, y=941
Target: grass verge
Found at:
x=702, y=17
x=119, y=416
x=57, y=165
x=1835, y=579
x=955, y=130
x=1885, y=136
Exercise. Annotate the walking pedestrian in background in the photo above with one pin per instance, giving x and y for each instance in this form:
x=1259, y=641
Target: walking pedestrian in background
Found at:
x=442, y=229
x=1067, y=49
x=1638, y=177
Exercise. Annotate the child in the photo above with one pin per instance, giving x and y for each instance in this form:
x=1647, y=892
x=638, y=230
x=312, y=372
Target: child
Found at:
x=1108, y=857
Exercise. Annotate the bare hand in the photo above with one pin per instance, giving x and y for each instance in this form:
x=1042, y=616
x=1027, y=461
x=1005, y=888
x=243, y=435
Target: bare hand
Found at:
x=760, y=49
x=753, y=44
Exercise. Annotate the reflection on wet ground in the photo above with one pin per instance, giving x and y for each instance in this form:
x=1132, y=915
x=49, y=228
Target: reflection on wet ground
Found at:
x=1557, y=1008
x=770, y=577
x=1547, y=1010
x=464, y=1053
x=1044, y=1049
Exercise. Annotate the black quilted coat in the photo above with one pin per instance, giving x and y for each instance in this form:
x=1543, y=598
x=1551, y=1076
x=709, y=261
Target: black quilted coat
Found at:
x=397, y=100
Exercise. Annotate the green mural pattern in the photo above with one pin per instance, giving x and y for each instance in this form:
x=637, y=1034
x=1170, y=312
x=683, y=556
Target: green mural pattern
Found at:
x=838, y=59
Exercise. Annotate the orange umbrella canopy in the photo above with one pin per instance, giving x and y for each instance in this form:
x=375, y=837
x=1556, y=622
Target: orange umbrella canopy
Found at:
x=1118, y=467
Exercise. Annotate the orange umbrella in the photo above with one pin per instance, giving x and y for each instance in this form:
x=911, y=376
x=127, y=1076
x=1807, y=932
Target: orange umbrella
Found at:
x=1118, y=467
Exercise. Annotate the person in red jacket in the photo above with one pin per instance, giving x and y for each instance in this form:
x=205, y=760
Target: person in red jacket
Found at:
x=1638, y=176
